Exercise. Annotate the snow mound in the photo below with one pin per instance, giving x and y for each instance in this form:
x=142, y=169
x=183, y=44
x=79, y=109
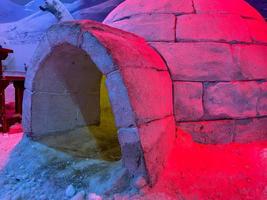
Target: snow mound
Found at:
x=36, y=171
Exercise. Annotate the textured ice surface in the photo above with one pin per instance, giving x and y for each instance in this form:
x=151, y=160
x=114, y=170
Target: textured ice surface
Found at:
x=36, y=170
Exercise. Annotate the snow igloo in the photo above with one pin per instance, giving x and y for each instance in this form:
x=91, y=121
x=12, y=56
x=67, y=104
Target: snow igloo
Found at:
x=216, y=54
x=199, y=66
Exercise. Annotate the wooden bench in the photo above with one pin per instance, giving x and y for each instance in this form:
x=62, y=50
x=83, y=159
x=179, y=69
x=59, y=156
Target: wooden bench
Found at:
x=7, y=77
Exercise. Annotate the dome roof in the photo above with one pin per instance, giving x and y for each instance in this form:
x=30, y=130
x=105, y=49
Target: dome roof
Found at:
x=216, y=54
x=135, y=7
x=201, y=20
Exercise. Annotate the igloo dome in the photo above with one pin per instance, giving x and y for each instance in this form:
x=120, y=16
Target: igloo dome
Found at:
x=216, y=54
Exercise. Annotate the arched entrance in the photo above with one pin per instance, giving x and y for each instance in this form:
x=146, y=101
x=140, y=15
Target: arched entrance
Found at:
x=66, y=71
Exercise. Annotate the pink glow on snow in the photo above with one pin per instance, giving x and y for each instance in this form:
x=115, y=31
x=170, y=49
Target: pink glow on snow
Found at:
x=10, y=140
x=7, y=143
x=232, y=171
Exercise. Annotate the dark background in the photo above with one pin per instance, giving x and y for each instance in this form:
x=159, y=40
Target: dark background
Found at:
x=22, y=2
x=260, y=5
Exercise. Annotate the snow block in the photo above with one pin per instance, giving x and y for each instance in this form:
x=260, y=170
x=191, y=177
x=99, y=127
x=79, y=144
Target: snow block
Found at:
x=157, y=139
x=212, y=27
x=74, y=73
x=150, y=93
x=27, y=115
x=57, y=113
x=237, y=7
x=42, y=51
x=69, y=33
x=199, y=61
x=132, y=154
x=152, y=27
x=119, y=99
x=249, y=130
x=210, y=132
x=251, y=60
x=226, y=131
x=135, y=7
x=136, y=52
x=96, y=51
x=188, y=101
x=262, y=102
x=231, y=100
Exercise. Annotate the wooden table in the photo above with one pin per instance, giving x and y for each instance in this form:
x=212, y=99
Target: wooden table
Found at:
x=7, y=77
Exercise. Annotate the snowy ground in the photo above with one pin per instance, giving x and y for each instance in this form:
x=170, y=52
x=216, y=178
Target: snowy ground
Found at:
x=7, y=143
x=35, y=171
x=215, y=172
x=194, y=172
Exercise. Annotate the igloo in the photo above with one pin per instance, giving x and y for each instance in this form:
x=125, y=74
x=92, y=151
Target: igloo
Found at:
x=216, y=54
x=197, y=66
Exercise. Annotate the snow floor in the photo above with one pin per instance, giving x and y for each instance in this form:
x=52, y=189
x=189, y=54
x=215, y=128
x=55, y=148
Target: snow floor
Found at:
x=31, y=170
x=7, y=144
x=210, y=172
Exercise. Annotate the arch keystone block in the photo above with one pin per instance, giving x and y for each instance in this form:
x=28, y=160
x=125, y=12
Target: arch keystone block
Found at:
x=93, y=47
x=69, y=33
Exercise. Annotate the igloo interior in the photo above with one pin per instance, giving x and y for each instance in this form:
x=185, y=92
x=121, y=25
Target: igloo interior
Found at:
x=133, y=99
